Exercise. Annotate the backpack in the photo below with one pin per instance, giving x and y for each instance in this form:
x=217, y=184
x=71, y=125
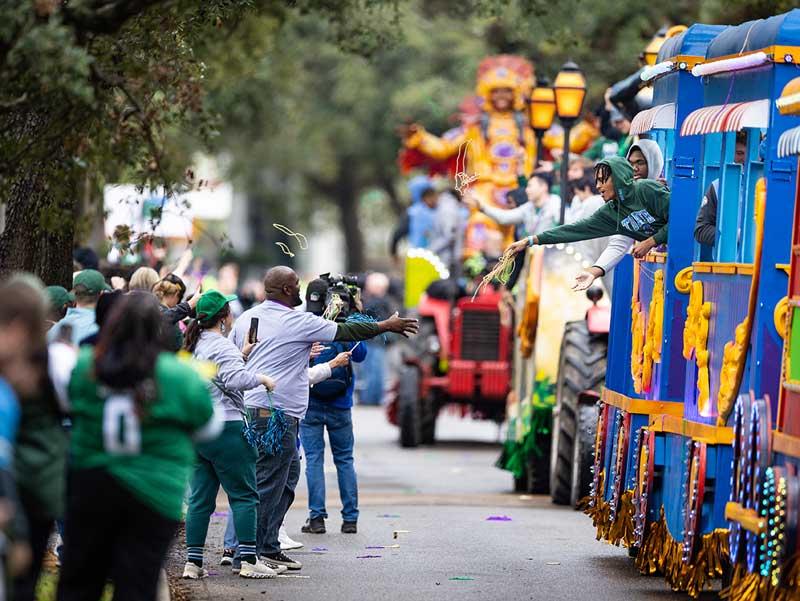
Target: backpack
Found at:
x=341, y=377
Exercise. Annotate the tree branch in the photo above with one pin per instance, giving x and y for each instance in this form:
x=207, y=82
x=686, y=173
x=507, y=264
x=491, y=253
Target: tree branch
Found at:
x=147, y=126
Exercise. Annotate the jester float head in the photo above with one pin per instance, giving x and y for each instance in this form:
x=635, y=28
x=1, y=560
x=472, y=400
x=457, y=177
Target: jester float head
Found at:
x=504, y=82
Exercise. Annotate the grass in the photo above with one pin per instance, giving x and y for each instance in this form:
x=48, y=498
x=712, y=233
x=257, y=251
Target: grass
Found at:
x=48, y=581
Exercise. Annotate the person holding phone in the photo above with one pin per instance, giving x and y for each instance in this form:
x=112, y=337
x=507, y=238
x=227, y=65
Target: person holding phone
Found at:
x=285, y=340
x=229, y=460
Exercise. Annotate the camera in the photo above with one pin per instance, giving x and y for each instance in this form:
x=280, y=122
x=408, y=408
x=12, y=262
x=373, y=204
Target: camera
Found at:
x=346, y=288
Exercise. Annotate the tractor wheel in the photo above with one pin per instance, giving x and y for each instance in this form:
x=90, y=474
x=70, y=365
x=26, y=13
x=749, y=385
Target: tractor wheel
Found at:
x=538, y=469
x=581, y=367
x=521, y=484
x=408, y=409
x=428, y=413
x=583, y=449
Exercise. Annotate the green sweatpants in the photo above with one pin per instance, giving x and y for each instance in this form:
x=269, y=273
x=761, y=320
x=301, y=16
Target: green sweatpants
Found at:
x=231, y=462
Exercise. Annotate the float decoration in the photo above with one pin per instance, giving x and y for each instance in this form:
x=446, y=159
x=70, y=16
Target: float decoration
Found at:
x=725, y=405
x=695, y=340
x=741, y=452
x=645, y=472
x=734, y=355
x=655, y=329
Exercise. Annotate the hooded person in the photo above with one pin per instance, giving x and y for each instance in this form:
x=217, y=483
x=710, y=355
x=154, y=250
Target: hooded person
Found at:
x=638, y=209
x=647, y=161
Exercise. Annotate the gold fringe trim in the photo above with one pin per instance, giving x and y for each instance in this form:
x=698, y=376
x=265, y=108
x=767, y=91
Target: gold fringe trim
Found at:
x=620, y=531
x=661, y=553
x=755, y=587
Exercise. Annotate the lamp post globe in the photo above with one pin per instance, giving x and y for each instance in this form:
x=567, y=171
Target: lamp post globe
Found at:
x=542, y=112
x=570, y=92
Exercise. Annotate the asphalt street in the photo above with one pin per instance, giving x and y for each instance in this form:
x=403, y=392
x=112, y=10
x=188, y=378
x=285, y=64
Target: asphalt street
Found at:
x=442, y=496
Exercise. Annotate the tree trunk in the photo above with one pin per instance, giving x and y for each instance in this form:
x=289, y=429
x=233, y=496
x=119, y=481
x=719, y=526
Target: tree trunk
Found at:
x=40, y=206
x=346, y=197
x=39, y=229
x=387, y=184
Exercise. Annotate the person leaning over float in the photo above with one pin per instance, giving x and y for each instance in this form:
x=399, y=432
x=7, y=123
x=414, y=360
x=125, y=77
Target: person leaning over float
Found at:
x=647, y=162
x=638, y=209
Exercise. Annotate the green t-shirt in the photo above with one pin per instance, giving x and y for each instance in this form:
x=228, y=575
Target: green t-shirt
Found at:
x=151, y=457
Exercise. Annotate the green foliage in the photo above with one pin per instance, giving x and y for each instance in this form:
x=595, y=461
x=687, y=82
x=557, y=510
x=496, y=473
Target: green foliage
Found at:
x=303, y=97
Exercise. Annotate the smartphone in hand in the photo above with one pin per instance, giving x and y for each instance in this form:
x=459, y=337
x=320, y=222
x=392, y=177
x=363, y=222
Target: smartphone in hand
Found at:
x=252, y=335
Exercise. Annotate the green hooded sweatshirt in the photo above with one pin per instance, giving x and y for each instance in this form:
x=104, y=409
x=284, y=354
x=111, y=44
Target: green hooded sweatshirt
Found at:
x=640, y=210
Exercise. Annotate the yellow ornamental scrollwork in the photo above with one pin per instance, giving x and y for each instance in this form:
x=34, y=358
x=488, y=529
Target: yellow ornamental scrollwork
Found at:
x=781, y=317
x=734, y=354
x=683, y=281
x=637, y=348
x=695, y=341
x=692, y=319
x=655, y=328
x=702, y=356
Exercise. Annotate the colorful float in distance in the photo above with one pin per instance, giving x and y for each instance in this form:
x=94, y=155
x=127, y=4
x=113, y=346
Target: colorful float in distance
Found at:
x=698, y=436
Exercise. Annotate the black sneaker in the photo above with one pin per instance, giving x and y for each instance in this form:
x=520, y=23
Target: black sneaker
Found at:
x=281, y=559
x=349, y=527
x=314, y=526
x=227, y=557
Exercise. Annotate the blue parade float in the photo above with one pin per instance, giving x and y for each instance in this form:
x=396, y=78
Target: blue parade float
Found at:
x=698, y=436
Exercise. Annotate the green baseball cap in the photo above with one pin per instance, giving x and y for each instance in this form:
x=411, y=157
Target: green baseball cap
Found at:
x=211, y=302
x=58, y=296
x=92, y=280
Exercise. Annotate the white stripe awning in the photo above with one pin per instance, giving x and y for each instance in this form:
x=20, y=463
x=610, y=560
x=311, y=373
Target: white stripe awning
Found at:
x=789, y=142
x=657, y=117
x=726, y=117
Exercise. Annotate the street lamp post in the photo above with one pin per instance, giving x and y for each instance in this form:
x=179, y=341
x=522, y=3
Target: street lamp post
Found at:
x=570, y=92
x=542, y=113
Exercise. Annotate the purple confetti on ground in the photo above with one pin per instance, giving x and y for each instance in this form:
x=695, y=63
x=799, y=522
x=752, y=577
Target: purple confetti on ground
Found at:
x=498, y=518
x=376, y=547
x=319, y=549
x=213, y=573
x=368, y=556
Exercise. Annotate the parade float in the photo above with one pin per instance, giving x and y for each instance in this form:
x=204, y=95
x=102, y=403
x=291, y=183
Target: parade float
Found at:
x=696, y=442
x=463, y=352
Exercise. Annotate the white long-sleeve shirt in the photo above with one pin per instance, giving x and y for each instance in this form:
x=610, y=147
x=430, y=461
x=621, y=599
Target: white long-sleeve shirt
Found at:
x=618, y=246
x=319, y=372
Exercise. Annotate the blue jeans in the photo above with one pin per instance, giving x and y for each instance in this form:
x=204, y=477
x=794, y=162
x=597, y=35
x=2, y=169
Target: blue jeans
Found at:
x=230, y=541
x=276, y=479
x=371, y=373
x=339, y=423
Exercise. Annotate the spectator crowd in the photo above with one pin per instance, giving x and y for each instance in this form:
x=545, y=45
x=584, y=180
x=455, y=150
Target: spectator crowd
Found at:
x=128, y=401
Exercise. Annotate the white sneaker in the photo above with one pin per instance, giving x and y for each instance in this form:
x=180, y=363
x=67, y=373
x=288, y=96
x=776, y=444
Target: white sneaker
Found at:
x=286, y=542
x=278, y=569
x=256, y=570
x=193, y=571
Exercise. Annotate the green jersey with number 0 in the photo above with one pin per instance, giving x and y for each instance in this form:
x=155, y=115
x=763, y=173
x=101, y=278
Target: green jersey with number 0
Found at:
x=153, y=455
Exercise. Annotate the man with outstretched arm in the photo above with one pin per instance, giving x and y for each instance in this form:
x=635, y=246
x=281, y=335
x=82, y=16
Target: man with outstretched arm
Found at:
x=285, y=337
x=638, y=209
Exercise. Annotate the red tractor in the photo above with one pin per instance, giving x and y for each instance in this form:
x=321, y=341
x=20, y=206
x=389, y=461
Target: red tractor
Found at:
x=462, y=355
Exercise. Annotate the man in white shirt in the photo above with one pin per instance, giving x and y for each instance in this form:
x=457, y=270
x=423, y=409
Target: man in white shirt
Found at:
x=285, y=338
x=539, y=214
